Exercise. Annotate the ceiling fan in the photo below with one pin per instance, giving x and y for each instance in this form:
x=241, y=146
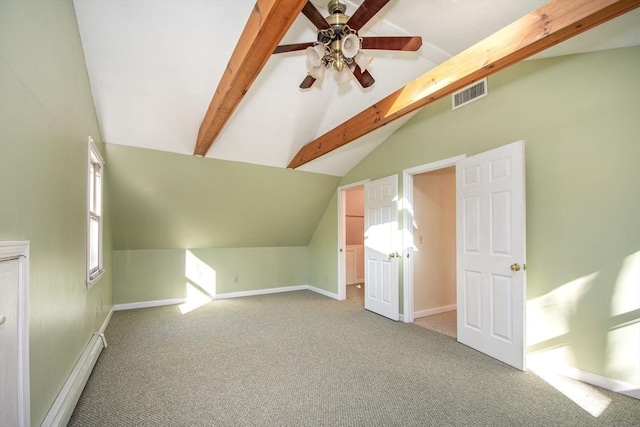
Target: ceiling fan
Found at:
x=340, y=47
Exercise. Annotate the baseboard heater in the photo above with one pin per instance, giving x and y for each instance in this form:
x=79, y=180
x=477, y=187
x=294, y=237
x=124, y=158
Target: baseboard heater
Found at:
x=65, y=403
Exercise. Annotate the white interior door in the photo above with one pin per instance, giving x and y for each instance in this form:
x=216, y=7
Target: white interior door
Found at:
x=381, y=256
x=490, y=203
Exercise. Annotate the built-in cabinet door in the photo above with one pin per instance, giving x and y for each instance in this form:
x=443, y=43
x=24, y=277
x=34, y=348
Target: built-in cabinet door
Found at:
x=9, y=379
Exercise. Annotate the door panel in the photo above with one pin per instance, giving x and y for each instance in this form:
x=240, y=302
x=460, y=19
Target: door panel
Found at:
x=471, y=220
x=490, y=205
x=381, y=227
x=472, y=309
x=501, y=310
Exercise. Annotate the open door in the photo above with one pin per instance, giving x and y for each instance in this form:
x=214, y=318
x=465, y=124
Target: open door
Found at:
x=490, y=203
x=381, y=256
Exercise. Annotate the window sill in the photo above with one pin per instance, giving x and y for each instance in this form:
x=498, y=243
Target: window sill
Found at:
x=96, y=277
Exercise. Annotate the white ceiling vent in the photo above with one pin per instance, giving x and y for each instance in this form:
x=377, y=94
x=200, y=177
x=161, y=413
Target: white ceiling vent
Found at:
x=469, y=94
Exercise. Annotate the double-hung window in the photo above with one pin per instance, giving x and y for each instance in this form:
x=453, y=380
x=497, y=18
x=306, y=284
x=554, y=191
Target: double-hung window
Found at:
x=94, y=215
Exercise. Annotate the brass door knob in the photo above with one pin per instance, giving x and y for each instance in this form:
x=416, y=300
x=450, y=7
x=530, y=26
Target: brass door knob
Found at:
x=515, y=267
x=394, y=255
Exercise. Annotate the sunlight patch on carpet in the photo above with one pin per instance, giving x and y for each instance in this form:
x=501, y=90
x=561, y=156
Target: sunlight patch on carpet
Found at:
x=200, y=285
x=582, y=394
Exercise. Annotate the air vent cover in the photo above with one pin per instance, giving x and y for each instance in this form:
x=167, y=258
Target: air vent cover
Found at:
x=469, y=94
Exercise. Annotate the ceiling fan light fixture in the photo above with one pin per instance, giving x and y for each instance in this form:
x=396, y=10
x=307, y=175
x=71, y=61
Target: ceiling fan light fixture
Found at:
x=350, y=46
x=336, y=58
x=362, y=60
x=343, y=76
x=338, y=44
x=315, y=55
x=317, y=72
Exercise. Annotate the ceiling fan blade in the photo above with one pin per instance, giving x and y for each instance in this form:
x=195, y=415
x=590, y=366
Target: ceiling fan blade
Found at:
x=364, y=77
x=292, y=47
x=364, y=13
x=408, y=43
x=307, y=82
x=316, y=18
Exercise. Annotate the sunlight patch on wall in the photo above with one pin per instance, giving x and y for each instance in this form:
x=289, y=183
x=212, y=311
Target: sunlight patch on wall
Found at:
x=406, y=235
x=201, y=284
x=626, y=297
x=623, y=339
x=548, y=315
x=548, y=331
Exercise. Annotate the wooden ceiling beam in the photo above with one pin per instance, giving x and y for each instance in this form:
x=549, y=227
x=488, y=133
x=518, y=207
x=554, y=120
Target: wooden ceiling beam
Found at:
x=547, y=26
x=265, y=28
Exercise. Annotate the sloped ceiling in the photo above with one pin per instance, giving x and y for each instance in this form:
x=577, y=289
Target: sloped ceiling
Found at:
x=161, y=200
x=154, y=65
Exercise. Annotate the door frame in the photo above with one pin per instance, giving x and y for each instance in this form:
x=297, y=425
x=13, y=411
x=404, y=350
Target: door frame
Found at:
x=19, y=250
x=342, y=236
x=407, y=229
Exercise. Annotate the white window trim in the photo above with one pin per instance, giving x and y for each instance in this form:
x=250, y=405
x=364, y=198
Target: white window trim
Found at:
x=93, y=156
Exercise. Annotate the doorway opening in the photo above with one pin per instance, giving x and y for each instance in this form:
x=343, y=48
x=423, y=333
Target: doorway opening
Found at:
x=351, y=286
x=490, y=249
x=429, y=225
x=434, y=256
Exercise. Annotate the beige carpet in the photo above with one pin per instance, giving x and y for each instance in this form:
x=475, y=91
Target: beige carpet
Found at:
x=444, y=323
x=301, y=359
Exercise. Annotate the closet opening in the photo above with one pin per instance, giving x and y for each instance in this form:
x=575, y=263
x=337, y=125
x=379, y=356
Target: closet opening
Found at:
x=434, y=255
x=351, y=244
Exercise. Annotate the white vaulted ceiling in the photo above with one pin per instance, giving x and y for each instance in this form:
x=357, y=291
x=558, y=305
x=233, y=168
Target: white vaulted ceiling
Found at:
x=154, y=66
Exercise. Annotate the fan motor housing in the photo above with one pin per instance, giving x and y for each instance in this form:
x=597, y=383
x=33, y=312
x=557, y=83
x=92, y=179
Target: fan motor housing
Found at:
x=336, y=6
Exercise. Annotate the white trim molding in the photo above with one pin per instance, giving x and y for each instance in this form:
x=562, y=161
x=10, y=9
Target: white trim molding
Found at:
x=628, y=389
x=147, y=304
x=241, y=294
x=260, y=292
x=19, y=250
x=323, y=292
x=106, y=321
x=62, y=408
x=432, y=311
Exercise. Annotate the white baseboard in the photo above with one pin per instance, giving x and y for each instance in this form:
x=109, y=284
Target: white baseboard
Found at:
x=66, y=401
x=260, y=292
x=628, y=389
x=159, y=303
x=147, y=304
x=432, y=311
x=321, y=291
x=106, y=321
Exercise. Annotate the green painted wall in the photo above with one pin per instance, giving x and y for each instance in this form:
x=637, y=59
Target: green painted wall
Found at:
x=164, y=201
x=150, y=275
x=580, y=118
x=46, y=115
x=249, y=223
x=323, y=250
